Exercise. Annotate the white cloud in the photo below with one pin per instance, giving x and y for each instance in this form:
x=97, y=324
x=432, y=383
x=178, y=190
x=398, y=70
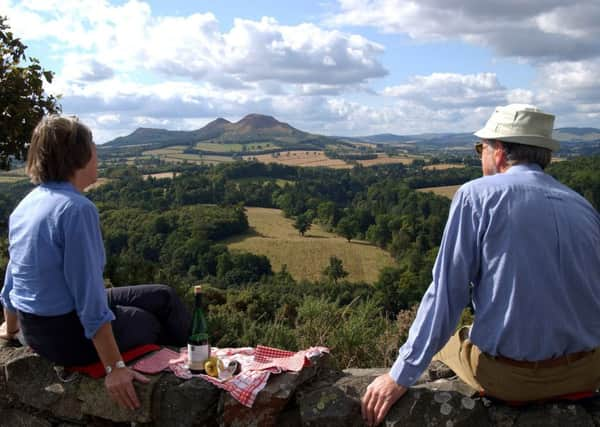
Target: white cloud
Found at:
x=443, y=90
x=124, y=67
x=80, y=68
x=129, y=38
x=538, y=30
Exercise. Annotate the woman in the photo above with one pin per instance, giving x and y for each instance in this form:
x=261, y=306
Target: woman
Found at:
x=54, y=287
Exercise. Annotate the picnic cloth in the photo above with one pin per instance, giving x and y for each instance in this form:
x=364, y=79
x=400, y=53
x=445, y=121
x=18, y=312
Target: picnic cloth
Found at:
x=257, y=365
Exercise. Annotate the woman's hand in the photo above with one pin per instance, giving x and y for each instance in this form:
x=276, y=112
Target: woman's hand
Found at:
x=119, y=384
x=6, y=334
x=10, y=327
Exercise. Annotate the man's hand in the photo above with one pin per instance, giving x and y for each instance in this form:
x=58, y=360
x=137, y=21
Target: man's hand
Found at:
x=381, y=394
x=119, y=384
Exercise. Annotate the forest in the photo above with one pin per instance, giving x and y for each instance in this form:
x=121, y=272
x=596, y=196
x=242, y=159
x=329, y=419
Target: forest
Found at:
x=170, y=231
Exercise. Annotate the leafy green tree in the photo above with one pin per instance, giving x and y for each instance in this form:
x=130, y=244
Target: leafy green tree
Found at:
x=347, y=227
x=22, y=99
x=302, y=223
x=335, y=270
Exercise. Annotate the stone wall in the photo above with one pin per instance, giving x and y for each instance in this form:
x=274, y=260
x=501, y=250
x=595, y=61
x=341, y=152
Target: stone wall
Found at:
x=33, y=395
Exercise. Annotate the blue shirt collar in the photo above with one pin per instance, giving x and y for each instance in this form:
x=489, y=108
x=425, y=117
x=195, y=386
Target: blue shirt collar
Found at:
x=59, y=185
x=524, y=167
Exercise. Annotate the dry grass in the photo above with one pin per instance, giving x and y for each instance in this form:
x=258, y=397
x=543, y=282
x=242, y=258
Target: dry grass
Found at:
x=9, y=179
x=100, y=182
x=306, y=257
x=444, y=166
x=446, y=191
x=161, y=175
x=310, y=158
x=384, y=159
x=13, y=175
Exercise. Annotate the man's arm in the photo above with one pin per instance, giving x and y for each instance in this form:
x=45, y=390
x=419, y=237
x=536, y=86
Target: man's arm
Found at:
x=457, y=264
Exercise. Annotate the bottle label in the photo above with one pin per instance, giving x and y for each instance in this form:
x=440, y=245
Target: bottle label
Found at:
x=197, y=354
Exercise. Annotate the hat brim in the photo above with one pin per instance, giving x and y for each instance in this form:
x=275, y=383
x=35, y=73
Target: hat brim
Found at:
x=533, y=140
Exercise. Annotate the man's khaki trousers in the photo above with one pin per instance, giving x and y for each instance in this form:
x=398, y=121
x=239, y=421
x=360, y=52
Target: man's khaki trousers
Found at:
x=514, y=383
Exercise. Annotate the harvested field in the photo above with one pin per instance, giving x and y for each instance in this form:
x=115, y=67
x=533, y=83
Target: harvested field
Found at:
x=161, y=175
x=446, y=191
x=13, y=175
x=301, y=158
x=100, y=182
x=9, y=179
x=384, y=159
x=306, y=257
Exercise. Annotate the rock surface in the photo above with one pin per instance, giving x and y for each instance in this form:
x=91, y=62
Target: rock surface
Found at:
x=33, y=395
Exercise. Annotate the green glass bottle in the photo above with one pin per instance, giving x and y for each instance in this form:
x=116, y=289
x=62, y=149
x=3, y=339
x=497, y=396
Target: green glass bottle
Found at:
x=198, y=346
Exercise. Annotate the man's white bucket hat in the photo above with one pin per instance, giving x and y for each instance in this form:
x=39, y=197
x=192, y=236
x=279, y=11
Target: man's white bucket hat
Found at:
x=521, y=124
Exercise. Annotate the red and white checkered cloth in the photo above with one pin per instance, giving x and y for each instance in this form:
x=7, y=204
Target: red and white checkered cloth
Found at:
x=256, y=364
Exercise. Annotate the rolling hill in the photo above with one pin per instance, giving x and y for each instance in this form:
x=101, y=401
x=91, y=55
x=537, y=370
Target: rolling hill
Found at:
x=251, y=128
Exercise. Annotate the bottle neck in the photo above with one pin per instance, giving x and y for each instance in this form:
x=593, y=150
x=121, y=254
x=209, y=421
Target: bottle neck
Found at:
x=198, y=300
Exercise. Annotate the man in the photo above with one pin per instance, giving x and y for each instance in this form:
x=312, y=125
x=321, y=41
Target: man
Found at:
x=526, y=250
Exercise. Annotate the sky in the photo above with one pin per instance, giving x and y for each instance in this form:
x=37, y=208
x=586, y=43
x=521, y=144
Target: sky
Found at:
x=333, y=67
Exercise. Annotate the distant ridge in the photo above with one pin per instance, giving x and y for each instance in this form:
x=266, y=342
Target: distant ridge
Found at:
x=252, y=127
x=263, y=128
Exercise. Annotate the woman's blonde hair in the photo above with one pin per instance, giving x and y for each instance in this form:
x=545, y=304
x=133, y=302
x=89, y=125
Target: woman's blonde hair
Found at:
x=60, y=145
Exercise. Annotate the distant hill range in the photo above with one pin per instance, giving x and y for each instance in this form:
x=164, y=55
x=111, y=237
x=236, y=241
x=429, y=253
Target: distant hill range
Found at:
x=257, y=128
x=252, y=128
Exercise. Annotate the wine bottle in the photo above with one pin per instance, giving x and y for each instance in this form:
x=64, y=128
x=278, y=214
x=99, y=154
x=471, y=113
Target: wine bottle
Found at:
x=198, y=346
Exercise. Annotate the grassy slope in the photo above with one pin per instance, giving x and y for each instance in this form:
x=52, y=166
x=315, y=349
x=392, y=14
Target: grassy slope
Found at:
x=274, y=236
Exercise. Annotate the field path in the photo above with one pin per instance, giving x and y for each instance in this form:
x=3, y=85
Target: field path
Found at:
x=306, y=257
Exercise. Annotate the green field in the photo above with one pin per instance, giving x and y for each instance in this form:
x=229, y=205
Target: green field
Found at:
x=175, y=154
x=176, y=149
x=274, y=236
x=235, y=148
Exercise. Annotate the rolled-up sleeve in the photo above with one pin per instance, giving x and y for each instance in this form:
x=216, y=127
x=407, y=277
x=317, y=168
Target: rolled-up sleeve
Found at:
x=448, y=294
x=83, y=266
x=8, y=285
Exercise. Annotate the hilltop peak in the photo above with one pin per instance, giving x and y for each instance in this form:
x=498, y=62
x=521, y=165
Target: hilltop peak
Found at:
x=217, y=123
x=260, y=121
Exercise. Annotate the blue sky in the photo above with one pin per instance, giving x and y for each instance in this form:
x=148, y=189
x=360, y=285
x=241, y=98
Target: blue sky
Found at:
x=335, y=67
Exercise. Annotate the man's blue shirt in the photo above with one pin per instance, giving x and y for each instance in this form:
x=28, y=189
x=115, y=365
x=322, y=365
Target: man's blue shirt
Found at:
x=57, y=257
x=528, y=248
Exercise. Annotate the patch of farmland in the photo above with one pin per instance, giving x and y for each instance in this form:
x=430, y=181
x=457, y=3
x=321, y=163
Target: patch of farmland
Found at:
x=445, y=190
x=311, y=158
x=306, y=257
x=384, y=159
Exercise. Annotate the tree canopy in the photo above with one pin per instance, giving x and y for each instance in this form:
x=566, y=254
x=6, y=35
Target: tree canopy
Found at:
x=302, y=223
x=22, y=99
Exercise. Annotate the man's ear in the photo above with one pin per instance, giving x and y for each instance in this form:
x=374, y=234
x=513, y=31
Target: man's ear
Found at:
x=500, y=159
